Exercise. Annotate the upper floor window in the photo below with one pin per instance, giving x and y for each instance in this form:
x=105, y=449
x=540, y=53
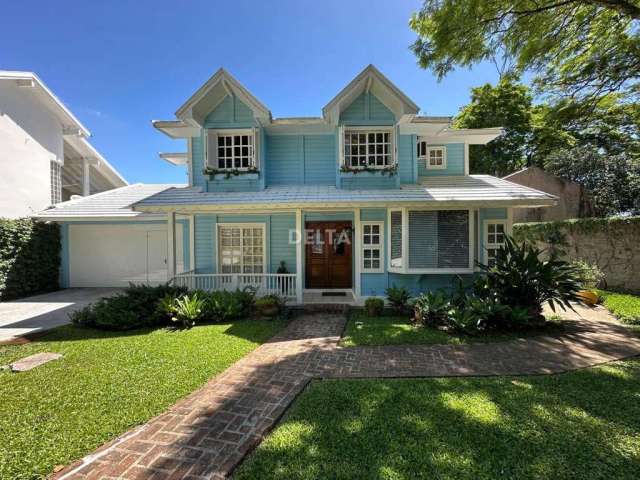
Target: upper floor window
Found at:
x=232, y=150
x=436, y=157
x=56, y=182
x=368, y=148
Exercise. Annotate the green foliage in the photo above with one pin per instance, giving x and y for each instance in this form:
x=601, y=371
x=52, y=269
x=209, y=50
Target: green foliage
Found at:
x=188, y=309
x=623, y=305
x=105, y=384
x=508, y=105
x=398, y=298
x=576, y=48
x=433, y=308
x=589, y=275
x=29, y=257
x=270, y=305
x=520, y=278
x=223, y=306
x=374, y=306
x=612, y=181
x=554, y=233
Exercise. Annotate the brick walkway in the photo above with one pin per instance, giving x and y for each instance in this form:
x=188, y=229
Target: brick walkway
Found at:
x=207, y=434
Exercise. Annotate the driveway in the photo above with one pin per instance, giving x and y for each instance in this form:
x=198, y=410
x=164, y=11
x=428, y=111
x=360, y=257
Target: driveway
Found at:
x=42, y=312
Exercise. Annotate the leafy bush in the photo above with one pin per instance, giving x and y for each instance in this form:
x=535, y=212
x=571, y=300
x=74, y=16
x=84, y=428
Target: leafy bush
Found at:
x=433, y=308
x=29, y=257
x=520, y=279
x=223, y=306
x=374, y=306
x=187, y=309
x=589, y=276
x=270, y=305
x=398, y=297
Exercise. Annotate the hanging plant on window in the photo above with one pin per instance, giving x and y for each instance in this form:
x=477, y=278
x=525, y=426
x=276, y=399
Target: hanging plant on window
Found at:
x=229, y=173
x=390, y=170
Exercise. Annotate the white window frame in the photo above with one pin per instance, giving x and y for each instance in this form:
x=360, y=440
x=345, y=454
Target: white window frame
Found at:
x=404, y=267
x=427, y=159
x=485, y=237
x=261, y=226
x=213, y=162
x=399, y=266
x=367, y=130
x=371, y=246
x=419, y=145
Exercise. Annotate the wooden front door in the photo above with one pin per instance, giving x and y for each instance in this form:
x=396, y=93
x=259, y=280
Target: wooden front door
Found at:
x=328, y=248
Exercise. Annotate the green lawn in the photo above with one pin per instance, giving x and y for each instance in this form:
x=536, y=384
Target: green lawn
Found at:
x=394, y=330
x=584, y=424
x=106, y=383
x=624, y=306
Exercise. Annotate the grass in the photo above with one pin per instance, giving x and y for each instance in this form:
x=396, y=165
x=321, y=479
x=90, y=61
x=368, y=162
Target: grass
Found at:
x=624, y=306
x=584, y=424
x=396, y=330
x=106, y=383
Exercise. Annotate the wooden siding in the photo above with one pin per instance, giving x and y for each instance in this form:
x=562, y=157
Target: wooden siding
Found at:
x=301, y=159
x=366, y=109
x=455, y=162
x=407, y=166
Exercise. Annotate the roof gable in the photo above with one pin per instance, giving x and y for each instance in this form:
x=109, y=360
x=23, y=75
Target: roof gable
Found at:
x=230, y=111
x=367, y=109
x=214, y=91
x=371, y=81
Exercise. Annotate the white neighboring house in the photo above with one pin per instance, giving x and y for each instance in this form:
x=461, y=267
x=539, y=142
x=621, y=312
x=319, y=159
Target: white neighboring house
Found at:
x=45, y=157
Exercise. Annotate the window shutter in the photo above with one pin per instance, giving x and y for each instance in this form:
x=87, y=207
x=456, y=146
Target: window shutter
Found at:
x=423, y=239
x=394, y=139
x=341, y=144
x=212, y=149
x=256, y=147
x=396, y=239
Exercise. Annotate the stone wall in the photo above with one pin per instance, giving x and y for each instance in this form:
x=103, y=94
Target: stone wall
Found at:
x=611, y=243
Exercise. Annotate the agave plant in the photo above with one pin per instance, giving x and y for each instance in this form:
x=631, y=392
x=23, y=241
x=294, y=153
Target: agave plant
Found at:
x=187, y=309
x=521, y=279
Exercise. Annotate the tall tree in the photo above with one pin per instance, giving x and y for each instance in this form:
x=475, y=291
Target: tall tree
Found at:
x=508, y=104
x=581, y=49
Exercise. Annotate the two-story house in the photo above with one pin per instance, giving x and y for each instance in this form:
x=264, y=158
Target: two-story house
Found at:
x=367, y=196
x=45, y=157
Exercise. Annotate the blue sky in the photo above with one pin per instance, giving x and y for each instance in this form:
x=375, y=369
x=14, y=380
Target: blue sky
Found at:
x=118, y=64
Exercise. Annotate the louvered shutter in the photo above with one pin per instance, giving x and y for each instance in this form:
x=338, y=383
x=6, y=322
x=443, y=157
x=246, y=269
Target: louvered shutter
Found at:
x=212, y=149
x=256, y=147
x=453, y=239
x=396, y=238
x=341, y=145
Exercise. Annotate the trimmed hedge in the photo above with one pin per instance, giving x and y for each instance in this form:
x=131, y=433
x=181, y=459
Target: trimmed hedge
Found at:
x=29, y=257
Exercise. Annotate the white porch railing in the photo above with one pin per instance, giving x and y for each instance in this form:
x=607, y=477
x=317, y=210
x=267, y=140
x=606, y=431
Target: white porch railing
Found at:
x=283, y=284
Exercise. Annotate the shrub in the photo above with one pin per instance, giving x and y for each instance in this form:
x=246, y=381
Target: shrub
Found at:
x=398, y=298
x=29, y=257
x=432, y=308
x=223, y=306
x=374, y=306
x=270, y=305
x=520, y=279
x=589, y=276
x=187, y=309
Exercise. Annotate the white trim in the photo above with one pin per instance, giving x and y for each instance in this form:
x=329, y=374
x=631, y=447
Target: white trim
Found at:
x=299, y=279
x=485, y=236
x=430, y=149
x=368, y=130
x=260, y=225
x=357, y=228
x=466, y=158
x=190, y=160
x=402, y=246
x=171, y=245
x=214, y=163
x=379, y=247
x=192, y=243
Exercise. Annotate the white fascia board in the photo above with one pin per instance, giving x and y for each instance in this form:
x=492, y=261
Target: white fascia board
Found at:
x=133, y=216
x=178, y=158
x=176, y=129
x=50, y=100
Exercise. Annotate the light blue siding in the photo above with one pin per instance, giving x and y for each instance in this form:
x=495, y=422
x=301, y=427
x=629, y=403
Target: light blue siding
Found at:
x=455, y=162
x=367, y=110
x=231, y=112
x=319, y=159
x=368, y=181
x=407, y=166
x=197, y=162
x=285, y=160
x=280, y=247
x=205, y=243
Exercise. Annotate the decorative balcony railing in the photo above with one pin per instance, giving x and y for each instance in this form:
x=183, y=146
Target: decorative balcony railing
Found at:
x=283, y=284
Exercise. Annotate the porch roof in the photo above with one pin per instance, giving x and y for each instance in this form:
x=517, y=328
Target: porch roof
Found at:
x=472, y=190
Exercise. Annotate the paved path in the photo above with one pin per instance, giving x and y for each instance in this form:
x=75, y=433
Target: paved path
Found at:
x=206, y=435
x=42, y=312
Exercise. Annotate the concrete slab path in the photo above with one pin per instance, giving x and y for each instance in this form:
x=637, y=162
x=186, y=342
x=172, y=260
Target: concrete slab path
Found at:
x=46, y=311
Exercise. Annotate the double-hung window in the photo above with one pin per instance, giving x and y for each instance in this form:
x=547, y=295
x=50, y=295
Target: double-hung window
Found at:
x=241, y=248
x=494, y=240
x=56, y=182
x=368, y=148
x=436, y=158
x=233, y=150
x=372, y=242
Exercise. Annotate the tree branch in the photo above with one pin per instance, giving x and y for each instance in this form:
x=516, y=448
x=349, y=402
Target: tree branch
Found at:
x=621, y=6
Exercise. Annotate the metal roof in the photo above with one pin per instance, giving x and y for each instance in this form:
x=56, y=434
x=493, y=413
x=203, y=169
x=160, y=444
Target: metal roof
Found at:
x=472, y=190
x=114, y=203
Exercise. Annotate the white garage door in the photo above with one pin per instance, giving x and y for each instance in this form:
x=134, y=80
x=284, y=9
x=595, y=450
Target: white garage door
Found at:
x=115, y=255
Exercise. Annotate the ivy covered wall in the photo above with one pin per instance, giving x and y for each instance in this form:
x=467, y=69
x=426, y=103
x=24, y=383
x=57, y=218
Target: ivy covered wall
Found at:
x=611, y=243
x=29, y=257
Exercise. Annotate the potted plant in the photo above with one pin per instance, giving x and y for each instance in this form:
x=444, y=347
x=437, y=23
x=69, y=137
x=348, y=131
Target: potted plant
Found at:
x=269, y=306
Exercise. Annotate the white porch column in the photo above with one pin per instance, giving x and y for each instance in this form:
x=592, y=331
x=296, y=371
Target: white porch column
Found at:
x=300, y=239
x=357, y=251
x=171, y=245
x=86, y=178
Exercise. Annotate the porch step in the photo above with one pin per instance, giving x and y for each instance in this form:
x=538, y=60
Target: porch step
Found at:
x=340, y=308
